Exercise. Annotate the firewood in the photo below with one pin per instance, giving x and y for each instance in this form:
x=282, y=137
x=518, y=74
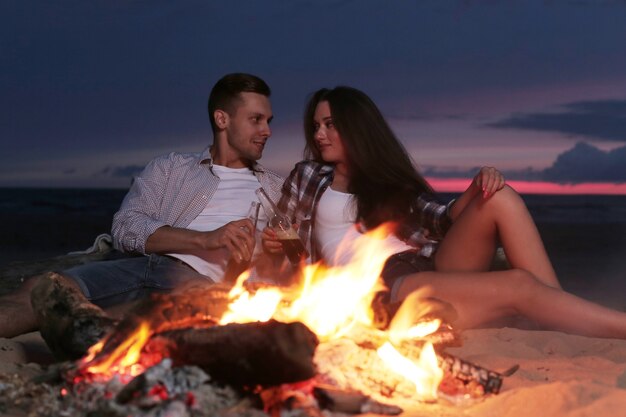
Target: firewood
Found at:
x=68, y=322
x=245, y=354
x=467, y=372
x=200, y=306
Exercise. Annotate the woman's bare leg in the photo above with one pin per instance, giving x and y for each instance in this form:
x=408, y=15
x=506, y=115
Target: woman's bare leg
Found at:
x=470, y=243
x=482, y=297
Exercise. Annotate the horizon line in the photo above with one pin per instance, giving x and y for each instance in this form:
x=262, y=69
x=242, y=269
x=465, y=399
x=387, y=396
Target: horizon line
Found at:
x=443, y=185
x=458, y=185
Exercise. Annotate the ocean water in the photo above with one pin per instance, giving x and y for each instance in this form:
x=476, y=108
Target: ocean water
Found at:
x=578, y=209
x=60, y=201
x=544, y=208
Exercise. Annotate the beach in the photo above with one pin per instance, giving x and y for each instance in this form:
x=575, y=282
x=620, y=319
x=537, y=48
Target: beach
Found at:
x=559, y=375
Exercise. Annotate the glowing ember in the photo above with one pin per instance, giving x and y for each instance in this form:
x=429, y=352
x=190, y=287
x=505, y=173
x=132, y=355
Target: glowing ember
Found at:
x=124, y=360
x=425, y=374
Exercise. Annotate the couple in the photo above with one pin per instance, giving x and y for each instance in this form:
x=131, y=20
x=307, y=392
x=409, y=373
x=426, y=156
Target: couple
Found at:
x=187, y=214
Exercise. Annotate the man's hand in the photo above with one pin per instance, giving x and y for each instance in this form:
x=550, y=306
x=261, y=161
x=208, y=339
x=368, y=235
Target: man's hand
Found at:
x=237, y=236
x=489, y=180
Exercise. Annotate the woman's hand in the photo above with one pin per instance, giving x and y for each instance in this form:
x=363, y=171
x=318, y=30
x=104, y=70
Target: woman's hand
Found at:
x=270, y=242
x=489, y=180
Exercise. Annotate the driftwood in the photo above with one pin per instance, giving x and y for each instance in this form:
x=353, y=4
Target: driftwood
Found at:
x=68, y=322
x=245, y=354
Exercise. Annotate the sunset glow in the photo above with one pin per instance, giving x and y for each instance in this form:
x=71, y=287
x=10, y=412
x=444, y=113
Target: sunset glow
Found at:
x=453, y=185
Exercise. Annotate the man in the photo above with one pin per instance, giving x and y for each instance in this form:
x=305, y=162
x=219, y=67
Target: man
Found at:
x=185, y=212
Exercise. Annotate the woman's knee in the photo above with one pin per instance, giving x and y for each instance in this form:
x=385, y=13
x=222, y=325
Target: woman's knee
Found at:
x=505, y=197
x=523, y=286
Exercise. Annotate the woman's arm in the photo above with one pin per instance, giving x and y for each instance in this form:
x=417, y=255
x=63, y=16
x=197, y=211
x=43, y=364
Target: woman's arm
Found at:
x=488, y=181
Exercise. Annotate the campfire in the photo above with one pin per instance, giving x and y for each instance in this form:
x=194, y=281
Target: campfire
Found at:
x=328, y=342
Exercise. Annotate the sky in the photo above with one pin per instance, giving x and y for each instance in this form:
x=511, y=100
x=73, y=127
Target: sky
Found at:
x=92, y=90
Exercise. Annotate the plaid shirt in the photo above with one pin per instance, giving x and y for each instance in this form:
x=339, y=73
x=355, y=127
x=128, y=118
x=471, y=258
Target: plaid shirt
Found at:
x=172, y=191
x=424, y=228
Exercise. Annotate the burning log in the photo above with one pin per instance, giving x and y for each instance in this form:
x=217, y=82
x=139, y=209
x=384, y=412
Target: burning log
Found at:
x=68, y=322
x=244, y=354
x=200, y=305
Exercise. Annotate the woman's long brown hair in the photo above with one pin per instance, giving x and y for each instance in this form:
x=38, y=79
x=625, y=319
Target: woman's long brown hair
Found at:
x=383, y=177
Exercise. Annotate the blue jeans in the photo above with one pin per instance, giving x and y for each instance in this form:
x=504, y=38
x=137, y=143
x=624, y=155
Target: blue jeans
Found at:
x=399, y=266
x=109, y=283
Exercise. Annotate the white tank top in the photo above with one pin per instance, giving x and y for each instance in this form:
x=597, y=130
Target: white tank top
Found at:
x=336, y=231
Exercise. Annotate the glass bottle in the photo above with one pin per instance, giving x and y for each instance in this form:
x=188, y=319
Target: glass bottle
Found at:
x=234, y=268
x=286, y=234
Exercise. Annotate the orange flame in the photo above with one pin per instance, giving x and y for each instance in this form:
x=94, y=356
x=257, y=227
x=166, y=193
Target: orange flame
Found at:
x=329, y=301
x=124, y=359
x=425, y=373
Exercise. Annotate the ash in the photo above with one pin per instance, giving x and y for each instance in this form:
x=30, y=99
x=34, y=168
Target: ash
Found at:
x=346, y=365
x=161, y=391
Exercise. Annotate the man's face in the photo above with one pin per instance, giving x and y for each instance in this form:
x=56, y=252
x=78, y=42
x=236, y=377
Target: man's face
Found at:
x=249, y=126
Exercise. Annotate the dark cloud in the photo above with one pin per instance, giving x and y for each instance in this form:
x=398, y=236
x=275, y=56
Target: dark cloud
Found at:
x=127, y=171
x=527, y=174
x=600, y=119
x=581, y=163
x=585, y=163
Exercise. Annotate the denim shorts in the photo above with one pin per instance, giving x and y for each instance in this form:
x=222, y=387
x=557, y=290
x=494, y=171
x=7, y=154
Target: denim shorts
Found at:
x=399, y=266
x=109, y=283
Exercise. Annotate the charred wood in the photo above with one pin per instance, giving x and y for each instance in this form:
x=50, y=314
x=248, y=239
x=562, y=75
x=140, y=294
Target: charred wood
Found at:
x=469, y=373
x=247, y=354
x=199, y=306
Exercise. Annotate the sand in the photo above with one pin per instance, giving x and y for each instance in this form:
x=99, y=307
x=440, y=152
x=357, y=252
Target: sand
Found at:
x=560, y=374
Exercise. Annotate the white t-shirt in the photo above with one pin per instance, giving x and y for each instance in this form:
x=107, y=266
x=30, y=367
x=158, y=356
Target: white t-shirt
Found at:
x=232, y=201
x=335, y=229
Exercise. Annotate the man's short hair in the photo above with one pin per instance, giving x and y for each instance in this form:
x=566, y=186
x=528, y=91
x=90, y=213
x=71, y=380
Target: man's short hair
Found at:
x=225, y=94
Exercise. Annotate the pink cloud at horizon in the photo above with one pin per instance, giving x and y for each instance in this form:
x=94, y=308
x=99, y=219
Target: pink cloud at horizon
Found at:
x=452, y=185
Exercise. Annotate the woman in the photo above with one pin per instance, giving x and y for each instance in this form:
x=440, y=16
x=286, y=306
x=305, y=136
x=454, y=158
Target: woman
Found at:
x=357, y=172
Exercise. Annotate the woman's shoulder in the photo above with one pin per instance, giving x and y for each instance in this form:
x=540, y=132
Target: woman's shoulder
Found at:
x=309, y=167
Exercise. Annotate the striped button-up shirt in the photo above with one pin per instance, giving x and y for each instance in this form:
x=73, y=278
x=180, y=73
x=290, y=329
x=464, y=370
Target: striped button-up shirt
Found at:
x=423, y=228
x=172, y=191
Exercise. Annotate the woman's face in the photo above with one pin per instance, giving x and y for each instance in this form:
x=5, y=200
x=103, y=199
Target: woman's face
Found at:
x=326, y=136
